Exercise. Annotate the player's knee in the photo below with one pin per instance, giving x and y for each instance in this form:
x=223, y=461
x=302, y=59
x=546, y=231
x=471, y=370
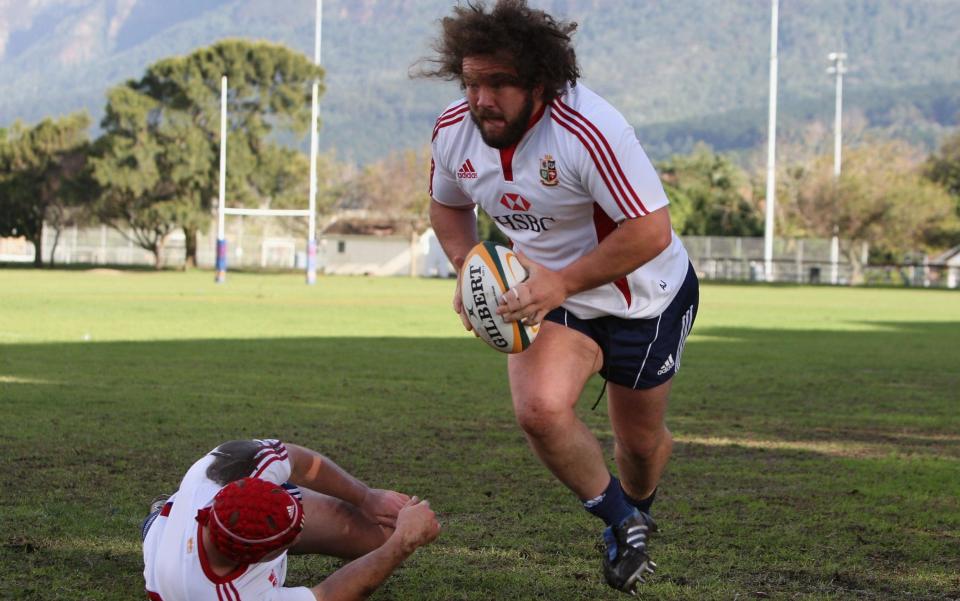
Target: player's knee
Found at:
x=541, y=418
x=644, y=445
x=338, y=516
x=344, y=522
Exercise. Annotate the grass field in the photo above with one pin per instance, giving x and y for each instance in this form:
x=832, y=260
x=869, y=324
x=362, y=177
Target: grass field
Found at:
x=817, y=455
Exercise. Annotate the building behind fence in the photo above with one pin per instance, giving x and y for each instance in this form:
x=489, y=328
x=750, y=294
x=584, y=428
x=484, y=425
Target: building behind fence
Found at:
x=806, y=260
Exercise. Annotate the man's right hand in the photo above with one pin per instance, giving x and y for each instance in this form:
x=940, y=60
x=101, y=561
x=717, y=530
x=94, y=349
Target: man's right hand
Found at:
x=417, y=525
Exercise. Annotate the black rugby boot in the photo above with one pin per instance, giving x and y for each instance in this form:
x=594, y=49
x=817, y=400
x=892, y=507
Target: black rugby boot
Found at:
x=626, y=563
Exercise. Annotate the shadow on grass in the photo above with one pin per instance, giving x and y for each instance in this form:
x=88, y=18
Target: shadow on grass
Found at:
x=94, y=430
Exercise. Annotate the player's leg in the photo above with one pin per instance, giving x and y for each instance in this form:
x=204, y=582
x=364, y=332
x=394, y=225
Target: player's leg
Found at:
x=334, y=527
x=545, y=382
x=644, y=355
x=643, y=442
x=642, y=446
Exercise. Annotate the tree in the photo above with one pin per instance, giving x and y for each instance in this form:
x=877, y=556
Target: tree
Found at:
x=708, y=195
x=166, y=126
x=881, y=198
x=285, y=184
x=43, y=174
x=395, y=186
x=943, y=167
x=127, y=162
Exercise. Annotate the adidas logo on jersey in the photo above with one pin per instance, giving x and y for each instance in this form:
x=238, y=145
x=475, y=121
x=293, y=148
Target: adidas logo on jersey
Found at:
x=667, y=365
x=467, y=171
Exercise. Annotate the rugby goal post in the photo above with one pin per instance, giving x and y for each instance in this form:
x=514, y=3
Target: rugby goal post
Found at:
x=310, y=212
x=223, y=210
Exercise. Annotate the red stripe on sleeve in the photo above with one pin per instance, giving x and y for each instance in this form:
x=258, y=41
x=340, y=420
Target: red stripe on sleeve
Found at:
x=451, y=117
x=444, y=124
x=603, y=174
x=450, y=110
x=613, y=157
x=603, y=164
x=267, y=464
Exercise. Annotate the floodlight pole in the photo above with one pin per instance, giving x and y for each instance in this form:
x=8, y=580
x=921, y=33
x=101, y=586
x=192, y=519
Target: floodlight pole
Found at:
x=221, y=214
x=838, y=69
x=314, y=109
x=771, y=147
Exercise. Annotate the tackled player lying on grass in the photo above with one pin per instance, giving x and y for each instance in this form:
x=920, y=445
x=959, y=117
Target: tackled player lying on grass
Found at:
x=226, y=532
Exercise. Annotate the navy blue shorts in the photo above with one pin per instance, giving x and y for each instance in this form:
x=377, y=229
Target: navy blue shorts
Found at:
x=641, y=353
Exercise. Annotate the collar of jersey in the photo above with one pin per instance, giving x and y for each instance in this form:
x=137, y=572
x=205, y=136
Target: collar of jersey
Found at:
x=506, y=154
x=534, y=119
x=208, y=569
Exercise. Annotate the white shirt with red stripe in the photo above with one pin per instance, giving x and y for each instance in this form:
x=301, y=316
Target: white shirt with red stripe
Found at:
x=577, y=173
x=176, y=569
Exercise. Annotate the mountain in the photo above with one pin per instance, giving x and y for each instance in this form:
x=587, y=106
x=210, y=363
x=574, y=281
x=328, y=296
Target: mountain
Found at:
x=680, y=70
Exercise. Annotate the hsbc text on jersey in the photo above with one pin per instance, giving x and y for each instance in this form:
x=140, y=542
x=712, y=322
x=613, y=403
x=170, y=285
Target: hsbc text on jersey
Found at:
x=525, y=221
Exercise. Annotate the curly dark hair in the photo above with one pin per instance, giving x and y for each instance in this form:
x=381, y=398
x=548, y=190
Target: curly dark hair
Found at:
x=532, y=41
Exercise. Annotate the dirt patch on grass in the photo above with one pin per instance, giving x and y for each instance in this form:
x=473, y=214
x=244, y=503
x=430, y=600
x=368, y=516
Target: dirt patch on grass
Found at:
x=21, y=544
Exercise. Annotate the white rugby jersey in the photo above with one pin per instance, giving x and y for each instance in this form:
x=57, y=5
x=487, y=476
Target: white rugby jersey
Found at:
x=577, y=173
x=174, y=567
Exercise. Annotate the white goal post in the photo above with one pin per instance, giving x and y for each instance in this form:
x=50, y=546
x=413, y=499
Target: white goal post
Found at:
x=310, y=212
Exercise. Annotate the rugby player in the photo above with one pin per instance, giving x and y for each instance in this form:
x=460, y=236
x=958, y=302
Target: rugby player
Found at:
x=562, y=174
x=226, y=533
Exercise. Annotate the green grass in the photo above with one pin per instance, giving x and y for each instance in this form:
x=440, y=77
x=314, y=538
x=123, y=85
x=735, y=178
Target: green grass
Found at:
x=817, y=455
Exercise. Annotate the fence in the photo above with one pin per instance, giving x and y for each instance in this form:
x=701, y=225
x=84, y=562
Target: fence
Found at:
x=102, y=245
x=257, y=247
x=809, y=260
x=806, y=260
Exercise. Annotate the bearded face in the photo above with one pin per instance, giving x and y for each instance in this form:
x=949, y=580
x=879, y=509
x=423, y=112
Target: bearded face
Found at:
x=498, y=129
x=500, y=105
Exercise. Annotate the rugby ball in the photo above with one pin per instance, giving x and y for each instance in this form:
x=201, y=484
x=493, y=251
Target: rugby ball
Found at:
x=489, y=270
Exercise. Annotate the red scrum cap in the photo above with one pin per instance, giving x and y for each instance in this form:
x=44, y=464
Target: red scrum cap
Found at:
x=251, y=517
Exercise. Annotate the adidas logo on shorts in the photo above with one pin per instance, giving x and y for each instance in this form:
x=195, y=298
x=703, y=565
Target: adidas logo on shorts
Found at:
x=667, y=365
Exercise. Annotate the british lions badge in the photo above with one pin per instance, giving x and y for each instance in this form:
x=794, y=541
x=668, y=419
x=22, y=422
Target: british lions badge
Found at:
x=548, y=171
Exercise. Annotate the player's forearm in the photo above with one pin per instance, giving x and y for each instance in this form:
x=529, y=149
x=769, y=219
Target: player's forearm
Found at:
x=634, y=243
x=320, y=473
x=456, y=229
x=361, y=577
